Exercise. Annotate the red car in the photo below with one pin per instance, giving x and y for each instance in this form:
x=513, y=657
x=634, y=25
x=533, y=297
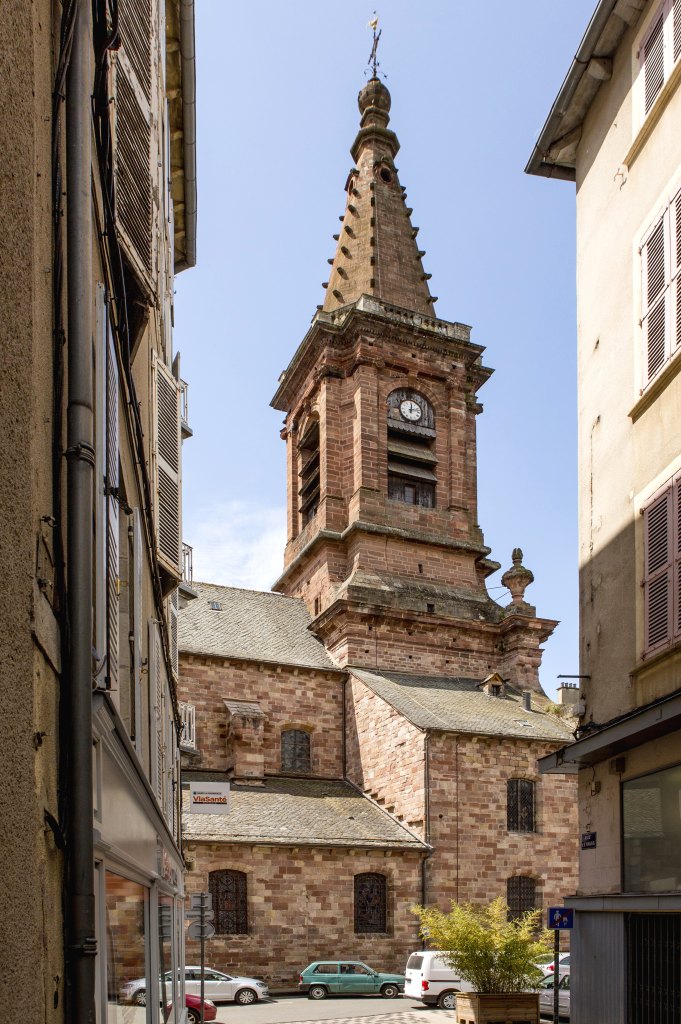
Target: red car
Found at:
x=193, y=1004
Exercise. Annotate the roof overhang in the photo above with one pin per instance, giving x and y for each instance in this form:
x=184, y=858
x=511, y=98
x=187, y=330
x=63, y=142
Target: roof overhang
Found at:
x=554, y=155
x=181, y=96
x=649, y=723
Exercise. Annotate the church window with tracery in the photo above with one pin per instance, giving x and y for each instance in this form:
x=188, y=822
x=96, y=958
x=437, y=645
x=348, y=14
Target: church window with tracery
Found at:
x=370, y=903
x=411, y=449
x=230, y=906
x=295, y=751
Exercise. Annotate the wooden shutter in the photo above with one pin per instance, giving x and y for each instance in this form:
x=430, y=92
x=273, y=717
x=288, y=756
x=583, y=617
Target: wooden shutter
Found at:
x=100, y=360
x=136, y=582
x=173, y=604
x=157, y=681
x=654, y=300
x=168, y=444
x=676, y=556
x=676, y=13
x=133, y=140
x=675, y=237
x=653, y=63
x=112, y=514
x=657, y=583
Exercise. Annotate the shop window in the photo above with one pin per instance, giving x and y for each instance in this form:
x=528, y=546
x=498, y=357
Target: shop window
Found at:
x=165, y=953
x=520, y=805
x=651, y=830
x=521, y=896
x=229, y=892
x=295, y=751
x=411, y=449
x=126, y=966
x=370, y=903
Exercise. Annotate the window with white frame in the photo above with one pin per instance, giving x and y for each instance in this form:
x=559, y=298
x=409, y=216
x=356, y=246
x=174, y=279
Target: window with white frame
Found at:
x=660, y=298
x=662, y=568
x=659, y=52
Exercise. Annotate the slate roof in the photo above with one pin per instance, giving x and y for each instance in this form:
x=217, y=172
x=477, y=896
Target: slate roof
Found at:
x=254, y=625
x=298, y=812
x=455, y=704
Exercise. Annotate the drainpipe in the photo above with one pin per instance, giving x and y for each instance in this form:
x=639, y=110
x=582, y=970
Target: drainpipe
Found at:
x=81, y=943
x=426, y=802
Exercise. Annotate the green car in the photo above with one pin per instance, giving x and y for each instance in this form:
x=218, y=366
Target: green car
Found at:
x=348, y=977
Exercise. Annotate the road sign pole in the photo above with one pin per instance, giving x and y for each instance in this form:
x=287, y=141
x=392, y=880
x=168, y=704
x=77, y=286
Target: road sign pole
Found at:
x=556, y=979
x=203, y=953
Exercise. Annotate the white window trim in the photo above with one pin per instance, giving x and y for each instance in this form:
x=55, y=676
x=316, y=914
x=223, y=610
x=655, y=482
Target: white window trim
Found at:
x=666, y=9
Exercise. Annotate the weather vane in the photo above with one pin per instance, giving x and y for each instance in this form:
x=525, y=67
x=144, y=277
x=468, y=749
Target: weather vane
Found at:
x=373, y=56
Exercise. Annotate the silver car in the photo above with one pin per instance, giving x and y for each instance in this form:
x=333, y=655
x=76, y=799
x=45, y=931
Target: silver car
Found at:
x=218, y=987
x=546, y=996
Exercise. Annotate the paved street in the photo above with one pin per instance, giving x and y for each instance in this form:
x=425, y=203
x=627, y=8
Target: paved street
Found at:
x=300, y=1010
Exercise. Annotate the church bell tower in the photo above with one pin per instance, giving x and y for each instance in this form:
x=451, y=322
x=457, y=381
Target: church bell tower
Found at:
x=380, y=404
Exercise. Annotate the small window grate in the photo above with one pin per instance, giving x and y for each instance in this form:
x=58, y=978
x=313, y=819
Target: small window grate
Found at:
x=228, y=889
x=520, y=805
x=295, y=751
x=370, y=903
x=520, y=896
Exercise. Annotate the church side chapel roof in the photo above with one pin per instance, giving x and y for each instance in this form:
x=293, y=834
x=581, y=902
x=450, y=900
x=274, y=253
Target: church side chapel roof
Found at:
x=309, y=812
x=254, y=625
x=456, y=704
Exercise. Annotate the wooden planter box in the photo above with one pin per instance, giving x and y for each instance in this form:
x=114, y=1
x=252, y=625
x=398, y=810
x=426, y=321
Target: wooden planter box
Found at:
x=507, y=1008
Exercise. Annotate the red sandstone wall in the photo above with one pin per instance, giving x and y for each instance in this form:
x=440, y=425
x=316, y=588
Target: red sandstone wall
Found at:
x=475, y=853
x=290, y=698
x=385, y=755
x=301, y=908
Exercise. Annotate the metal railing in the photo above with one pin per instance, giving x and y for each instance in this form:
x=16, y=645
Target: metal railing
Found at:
x=188, y=719
x=184, y=402
x=187, y=563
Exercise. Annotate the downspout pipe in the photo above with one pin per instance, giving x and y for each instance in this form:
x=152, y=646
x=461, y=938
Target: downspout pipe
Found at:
x=188, y=64
x=426, y=801
x=81, y=945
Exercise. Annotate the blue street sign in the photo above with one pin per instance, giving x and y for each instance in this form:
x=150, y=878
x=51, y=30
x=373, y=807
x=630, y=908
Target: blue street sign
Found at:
x=561, y=917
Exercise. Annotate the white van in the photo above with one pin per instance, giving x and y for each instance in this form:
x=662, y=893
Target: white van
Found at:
x=431, y=981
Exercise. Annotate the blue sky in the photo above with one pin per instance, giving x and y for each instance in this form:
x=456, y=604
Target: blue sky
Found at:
x=471, y=86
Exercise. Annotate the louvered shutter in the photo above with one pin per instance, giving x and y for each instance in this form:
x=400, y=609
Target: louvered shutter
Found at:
x=675, y=236
x=168, y=470
x=112, y=514
x=173, y=605
x=100, y=485
x=676, y=556
x=676, y=14
x=136, y=577
x=133, y=141
x=157, y=695
x=657, y=583
x=654, y=253
x=653, y=63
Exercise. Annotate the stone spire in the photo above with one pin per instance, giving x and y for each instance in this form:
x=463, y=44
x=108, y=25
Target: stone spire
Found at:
x=377, y=253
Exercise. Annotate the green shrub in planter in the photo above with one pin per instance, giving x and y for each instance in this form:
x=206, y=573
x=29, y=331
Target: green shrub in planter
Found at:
x=483, y=946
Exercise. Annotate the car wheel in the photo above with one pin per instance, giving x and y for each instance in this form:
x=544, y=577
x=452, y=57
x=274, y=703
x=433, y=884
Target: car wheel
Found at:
x=390, y=991
x=194, y=1016
x=317, y=992
x=447, y=1001
x=140, y=997
x=245, y=996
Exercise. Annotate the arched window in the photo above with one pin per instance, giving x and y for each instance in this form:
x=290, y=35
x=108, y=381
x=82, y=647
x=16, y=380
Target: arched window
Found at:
x=295, y=750
x=370, y=903
x=411, y=449
x=520, y=805
x=230, y=907
x=308, y=471
x=521, y=895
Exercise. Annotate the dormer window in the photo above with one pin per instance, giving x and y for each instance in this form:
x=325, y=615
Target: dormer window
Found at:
x=308, y=471
x=411, y=449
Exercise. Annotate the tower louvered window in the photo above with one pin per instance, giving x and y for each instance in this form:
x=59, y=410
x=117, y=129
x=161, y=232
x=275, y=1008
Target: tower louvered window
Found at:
x=661, y=297
x=411, y=449
x=521, y=896
x=168, y=442
x=309, y=472
x=660, y=50
x=370, y=903
x=133, y=124
x=295, y=751
x=662, y=568
x=520, y=805
x=230, y=905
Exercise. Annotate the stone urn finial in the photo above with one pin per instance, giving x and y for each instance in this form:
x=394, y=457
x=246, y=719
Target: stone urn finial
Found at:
x=517, y=578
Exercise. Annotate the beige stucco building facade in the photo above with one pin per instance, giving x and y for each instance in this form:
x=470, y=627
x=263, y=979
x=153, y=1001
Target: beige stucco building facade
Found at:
x=97, y=210
x=614, y=130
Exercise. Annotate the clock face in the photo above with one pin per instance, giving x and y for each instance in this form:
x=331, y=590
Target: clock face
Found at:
x=411, y=410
